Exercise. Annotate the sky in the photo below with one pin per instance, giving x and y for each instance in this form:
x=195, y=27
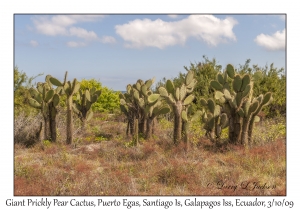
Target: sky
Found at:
x=118, y=49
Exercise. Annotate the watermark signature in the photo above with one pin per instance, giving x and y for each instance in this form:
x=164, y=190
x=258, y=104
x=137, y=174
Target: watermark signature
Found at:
x=246, y=185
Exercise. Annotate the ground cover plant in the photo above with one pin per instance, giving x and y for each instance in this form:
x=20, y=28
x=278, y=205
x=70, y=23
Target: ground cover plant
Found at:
x=156, y=142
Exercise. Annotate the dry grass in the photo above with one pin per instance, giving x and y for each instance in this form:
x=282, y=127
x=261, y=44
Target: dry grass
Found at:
x=101, y=162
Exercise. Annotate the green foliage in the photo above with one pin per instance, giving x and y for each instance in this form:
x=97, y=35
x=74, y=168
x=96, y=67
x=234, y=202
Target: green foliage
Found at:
x=108, y=101
x=204, y=72
x=268, y=79
x=269, y=131
x=21, y=93
x=46, y=143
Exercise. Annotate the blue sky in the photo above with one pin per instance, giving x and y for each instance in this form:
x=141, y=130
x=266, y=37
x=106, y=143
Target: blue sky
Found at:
x=119, y=49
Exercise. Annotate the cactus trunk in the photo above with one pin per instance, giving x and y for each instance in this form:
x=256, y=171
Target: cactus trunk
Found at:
x=83, y=120
x=47, y=134
x=245, y=140
x=251, y=126
x=185, y=126
x=52, y=121
x=136, y=132
x=149, y=128
x=237, y=129
x=177, y=126
x=142, y=124
x=69, y=120
x=131, y=124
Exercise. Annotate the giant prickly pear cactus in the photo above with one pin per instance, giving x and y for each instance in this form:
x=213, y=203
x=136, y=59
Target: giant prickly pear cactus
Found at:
x=130, y=108
x=45, y=98
x=213, y=118
x=69, y=88
x=154, y=108
x=139, y=102
x=178, y=98
x=82, y=105
x=238, y=104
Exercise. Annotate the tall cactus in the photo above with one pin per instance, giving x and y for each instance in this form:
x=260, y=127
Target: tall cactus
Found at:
x=129, y=106
x=139, y=102
x=83, y=103
x=214, y=120
x=154, y=108
x=133, y=103
x=185, y=125
x=45, y=98
x=69, y=88
x=178, y=98
x=238, y=104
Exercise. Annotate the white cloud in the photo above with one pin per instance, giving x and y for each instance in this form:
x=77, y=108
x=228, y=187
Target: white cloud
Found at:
x=158, y=33
x=59, y=24
x=76, y=44
x=272, y=42
x=64, y=25
x=34, y=43
x=82, y=33
x=108, y=39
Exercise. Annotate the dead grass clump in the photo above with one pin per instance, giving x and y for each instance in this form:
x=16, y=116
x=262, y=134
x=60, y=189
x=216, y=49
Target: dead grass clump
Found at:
x=82, y=167
x=27, y=129
x=177, y=172
x=130, y=154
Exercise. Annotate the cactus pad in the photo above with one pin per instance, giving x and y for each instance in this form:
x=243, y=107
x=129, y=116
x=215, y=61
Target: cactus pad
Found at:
x=188, y=100
x=163, y=92
x=55, y=81
x=34, y=103
x=237, y=83
x=153, y=98
x=267, y=98
x=189, y=77
x=245, y=81
x=220, y=79
x=216, y=85
x=170, y=86
x=184, y=115
x=218, y=95
x=230, y=71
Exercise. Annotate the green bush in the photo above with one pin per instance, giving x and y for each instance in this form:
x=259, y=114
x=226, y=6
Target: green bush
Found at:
x=21, y=86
